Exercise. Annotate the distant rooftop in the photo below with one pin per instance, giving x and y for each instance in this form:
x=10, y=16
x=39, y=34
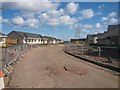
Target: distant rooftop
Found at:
x=28, y=35
x=91, y=35
x=2, y=34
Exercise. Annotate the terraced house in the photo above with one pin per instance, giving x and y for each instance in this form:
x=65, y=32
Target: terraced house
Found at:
x=26, y=38
x=111, y=37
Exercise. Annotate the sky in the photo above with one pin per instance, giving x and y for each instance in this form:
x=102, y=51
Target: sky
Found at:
x=63, y=20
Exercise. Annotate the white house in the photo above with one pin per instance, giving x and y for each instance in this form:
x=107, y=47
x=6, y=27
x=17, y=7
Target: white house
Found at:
x=26, y=38
x=54, y=40
x=45, y=40
x=59, y=41
x=91, y=39
x=2, y=39
x=49, y=40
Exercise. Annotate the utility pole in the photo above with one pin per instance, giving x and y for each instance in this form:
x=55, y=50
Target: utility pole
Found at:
x=77, y=36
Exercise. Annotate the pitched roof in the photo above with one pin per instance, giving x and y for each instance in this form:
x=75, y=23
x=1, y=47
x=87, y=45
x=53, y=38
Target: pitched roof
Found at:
x=2, y=34
x=28, y=35
x=59, y=39
x=91, y=35
x=50, y=38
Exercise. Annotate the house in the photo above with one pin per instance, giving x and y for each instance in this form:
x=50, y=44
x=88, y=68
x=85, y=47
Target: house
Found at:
x=111, y=37
x=59, y=41
x=53, y=40
x=5, y=41
x=50, y=40
x=81, y=40
x=45, y=40
x=25, y=37
x=91, y=39
x=2, y=39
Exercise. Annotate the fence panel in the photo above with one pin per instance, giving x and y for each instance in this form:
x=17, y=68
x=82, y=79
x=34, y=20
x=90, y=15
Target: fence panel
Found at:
x=97, y=51
x=11, y=54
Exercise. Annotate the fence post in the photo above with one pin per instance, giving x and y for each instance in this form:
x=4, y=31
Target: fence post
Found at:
x=82, y=49
x=99, y=52
x=75, y=49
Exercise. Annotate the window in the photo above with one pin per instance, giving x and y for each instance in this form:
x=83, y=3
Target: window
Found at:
x=28, y=40
x=35, y=40
x=32, y=40
x=25, y=40
x=1, y=39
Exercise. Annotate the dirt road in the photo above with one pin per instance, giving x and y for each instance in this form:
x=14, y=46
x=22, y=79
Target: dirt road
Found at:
x=50, y=67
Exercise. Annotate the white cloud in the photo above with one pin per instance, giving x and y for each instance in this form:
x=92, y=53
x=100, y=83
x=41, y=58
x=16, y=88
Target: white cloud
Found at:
x=113, y=21
x=54, y=22
x=31, y=23
x=2, y=20
x=110, y=19
x=104, y=19
x=56, y=17
x=48, y=13
x=97, y=25
x=64, y=20
x=26, y=1
x=44, y=16
x=86, y=14
x=27, y=14
x=67, y=20
x=47, y=19
x=71, y=8
x=75, y=26
x=31, y=6
x=18, y=20
x=5, y=21
x=112, y=14
x=88, y=26
x=56, y=12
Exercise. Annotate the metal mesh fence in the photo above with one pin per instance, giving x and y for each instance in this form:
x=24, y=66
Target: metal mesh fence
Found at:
x=11, y=54
x=96, y=51
x=104, y=56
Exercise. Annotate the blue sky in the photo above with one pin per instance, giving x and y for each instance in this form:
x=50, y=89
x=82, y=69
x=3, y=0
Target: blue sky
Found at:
x=64, y=20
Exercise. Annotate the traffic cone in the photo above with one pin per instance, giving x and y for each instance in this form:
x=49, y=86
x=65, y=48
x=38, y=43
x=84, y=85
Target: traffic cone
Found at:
x=1, y=80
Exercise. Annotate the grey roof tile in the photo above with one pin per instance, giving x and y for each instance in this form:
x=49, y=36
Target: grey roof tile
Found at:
x=28, y=35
